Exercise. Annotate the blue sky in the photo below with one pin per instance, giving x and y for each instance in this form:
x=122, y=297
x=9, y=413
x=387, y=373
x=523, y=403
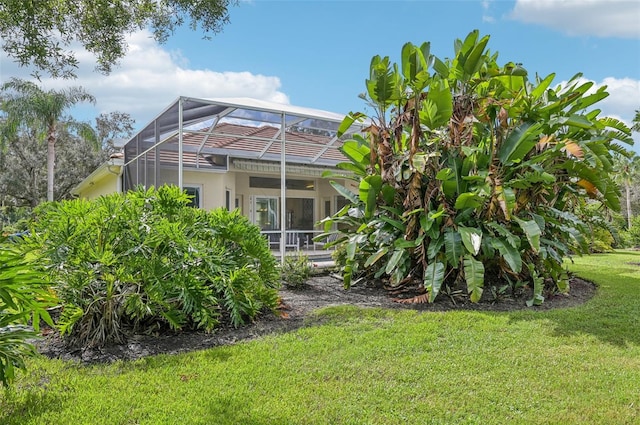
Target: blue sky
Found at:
x=316, y=53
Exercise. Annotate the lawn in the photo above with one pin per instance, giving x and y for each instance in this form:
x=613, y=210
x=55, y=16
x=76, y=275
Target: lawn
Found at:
x=371, y=366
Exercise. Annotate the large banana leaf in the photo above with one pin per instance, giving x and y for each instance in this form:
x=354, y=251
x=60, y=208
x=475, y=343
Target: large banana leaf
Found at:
x=397, y=256
x=542, y=87
x=468, y=200
x=435, y=245
x=376, y=256
x=532, y=231
x=474, y=275
x=587, y=101
x=519, y=143
x=471, y=238
x=509, y=253
x=433, y=278
x=453, y=184
x=384, y=84
x=352, y=197
x=357, y=152
x=512, y=239
x=415, y=65
x=438, y=106
x=472, y=61
x=441, y=68
x=453, y=247
x=368, y=191
x=348, y=121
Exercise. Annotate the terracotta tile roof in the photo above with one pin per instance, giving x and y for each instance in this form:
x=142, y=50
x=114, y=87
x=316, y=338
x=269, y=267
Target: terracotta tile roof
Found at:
x=261, y=143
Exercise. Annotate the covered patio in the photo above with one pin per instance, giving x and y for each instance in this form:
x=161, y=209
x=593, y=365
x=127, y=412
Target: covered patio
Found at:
x=263, y=158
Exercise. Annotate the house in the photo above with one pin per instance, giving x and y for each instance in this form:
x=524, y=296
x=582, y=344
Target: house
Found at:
x=264, y=158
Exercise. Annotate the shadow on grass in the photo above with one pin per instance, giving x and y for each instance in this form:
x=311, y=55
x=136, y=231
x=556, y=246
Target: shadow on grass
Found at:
x=34, y=403
x=229, y=410
x=612, y=316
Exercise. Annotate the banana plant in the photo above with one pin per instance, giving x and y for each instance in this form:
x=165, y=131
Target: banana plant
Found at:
x=469, y=169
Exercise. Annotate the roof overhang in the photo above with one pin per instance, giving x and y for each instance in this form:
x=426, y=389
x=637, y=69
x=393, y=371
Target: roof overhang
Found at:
x=111, y=167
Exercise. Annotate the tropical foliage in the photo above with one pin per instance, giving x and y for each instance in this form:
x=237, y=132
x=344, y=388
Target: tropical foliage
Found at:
x=146, y=260
x=471, y=171
x=23, y=300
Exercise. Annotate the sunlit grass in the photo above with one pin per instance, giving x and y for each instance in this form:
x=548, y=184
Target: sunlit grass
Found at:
x=372, y=366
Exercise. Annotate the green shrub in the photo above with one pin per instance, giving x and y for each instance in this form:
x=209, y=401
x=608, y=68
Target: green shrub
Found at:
x=601, y=241
x=13, y=219
x=631, y=237
x=23, y=300
x=296, y=270
x=472, y=171
x=146, y=260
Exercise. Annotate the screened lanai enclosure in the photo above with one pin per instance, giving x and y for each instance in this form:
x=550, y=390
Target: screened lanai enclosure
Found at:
x=263, y=158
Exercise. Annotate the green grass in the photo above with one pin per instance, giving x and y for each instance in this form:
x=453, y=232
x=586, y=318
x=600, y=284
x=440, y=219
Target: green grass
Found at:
x=370, y=366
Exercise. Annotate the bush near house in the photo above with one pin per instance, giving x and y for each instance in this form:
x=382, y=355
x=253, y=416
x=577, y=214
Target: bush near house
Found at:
x=472, y=172
x=145, y=261
x=296, y=270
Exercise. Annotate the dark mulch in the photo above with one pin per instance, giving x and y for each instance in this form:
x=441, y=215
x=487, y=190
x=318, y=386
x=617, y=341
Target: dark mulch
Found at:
x=319, y=292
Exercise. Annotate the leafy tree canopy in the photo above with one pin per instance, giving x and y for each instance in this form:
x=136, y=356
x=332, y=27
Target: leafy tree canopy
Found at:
x=41, y=32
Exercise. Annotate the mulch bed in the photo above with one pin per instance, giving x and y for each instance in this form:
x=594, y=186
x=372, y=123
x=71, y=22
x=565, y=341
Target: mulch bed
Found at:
x=297, y=304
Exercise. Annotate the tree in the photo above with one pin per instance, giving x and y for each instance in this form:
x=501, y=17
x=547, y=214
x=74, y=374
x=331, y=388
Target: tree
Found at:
x=41, y=33
x=636, y=122
x=27, y=105
x=112, y=128
x=23, y=165
x=627, y=172
x=23, y=172
x=471, y=172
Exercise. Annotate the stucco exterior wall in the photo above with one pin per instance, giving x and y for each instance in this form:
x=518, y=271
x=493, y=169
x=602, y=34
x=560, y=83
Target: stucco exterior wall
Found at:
x=233, y=189
x=104, y=186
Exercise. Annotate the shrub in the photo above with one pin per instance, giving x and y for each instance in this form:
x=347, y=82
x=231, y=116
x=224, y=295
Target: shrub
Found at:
x=296, y=270
x=23, y=299
x=470, y=169
x=146, y=260
x=13, y=219
x=631, y=237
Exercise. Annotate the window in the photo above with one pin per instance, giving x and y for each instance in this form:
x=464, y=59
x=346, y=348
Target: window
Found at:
x=196, y=200
x=274, y=183
x=266, y=213
x=341, y=201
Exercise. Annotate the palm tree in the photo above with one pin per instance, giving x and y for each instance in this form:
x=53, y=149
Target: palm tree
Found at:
x=26, y=104
x=628, y=167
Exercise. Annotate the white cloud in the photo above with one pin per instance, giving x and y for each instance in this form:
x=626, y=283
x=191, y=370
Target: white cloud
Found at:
x=622, y=102
x=603, y=18
x=149, y=78
x=486, y=16
x=624, y=97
